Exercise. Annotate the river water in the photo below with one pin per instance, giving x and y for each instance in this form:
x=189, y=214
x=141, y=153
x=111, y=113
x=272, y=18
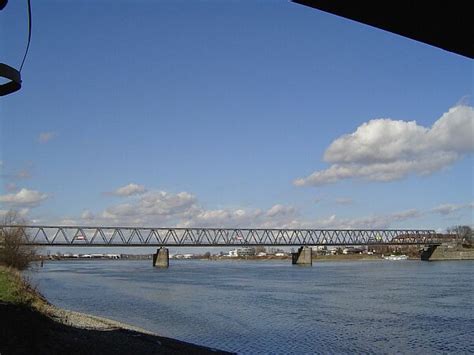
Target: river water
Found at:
x=382, y=307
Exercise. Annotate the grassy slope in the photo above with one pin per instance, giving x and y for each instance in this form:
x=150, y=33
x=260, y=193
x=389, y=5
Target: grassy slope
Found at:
x=14, y=289
x=7, y=286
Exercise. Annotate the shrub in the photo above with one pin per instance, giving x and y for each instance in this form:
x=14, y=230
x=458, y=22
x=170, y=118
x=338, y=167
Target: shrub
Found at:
x=14, y=251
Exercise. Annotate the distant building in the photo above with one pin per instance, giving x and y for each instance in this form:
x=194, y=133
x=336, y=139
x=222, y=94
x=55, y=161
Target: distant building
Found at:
x=245, y=251
x=353, y=250
x=242, y=252
x=112, y=256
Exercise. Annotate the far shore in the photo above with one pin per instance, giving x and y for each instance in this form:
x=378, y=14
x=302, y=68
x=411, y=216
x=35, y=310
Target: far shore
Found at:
x=316, y=258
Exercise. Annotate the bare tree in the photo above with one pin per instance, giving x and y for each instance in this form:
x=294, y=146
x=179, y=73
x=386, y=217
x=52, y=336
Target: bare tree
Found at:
x=463, y=235
x=13, y=249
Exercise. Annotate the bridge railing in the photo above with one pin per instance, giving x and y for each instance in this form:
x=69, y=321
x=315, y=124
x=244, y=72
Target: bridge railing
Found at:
x=137, y=236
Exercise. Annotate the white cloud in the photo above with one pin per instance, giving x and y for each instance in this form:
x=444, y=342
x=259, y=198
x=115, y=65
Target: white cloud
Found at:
x=277, y=216
x=164, y=209
x=87, y=215
x=223, y=218
x=449, y=208
x=408, y=214
x=22, y=213
x=369, y=222
x=385, y=149
x=161, y=208
x=45, y=137
x=153, y=206
x=68, y=222
x=129, y=190
x=24, y=197
x=280, y=210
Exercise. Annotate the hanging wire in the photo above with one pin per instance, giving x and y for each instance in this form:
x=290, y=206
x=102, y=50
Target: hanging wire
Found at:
x=29, y=35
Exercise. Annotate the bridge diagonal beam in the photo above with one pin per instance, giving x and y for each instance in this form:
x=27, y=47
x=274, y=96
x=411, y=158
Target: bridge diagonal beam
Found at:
x=141, y=236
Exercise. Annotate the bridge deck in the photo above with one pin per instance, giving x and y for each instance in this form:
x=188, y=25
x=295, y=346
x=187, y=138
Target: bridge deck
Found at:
x=83, y=236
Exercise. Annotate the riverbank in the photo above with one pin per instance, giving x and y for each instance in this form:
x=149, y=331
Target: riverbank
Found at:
x=316, y=258
x=29, y=324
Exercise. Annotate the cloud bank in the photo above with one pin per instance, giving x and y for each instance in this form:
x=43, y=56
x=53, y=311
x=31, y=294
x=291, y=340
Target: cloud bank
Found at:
x=129, y=190
x=386, y=150
x=24, y=197
x=450, y=208
x=155, y=208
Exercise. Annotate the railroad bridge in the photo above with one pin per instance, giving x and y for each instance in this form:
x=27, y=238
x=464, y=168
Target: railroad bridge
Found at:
x=94, y=236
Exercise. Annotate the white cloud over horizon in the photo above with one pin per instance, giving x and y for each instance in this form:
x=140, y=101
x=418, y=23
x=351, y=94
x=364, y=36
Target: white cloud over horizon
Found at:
x=385, y=149
x=165, y=209
x=156, y=208
x=18, y=215
x=449, y=208
x=24, y=197
x=129, y=190
x=371, y=222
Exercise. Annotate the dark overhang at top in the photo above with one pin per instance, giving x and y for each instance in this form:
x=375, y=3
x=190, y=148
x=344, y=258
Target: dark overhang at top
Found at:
x=444, y=24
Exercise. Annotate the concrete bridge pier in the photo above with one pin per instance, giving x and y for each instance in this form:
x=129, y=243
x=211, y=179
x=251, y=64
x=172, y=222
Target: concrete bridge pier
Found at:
x=161, y=258
x=304, y=256
x=427, y=251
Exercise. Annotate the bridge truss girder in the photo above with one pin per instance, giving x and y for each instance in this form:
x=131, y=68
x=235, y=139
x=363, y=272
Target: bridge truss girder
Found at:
x=82, y=236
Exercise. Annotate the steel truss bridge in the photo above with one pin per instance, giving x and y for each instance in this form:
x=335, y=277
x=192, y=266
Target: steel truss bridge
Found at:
x=88, y=236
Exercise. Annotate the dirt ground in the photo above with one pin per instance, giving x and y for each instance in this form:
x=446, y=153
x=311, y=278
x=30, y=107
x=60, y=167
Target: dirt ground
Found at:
x=24, y=330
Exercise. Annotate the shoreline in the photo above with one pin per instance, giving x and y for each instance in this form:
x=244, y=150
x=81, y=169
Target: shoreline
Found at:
x=316, y=259
x=30, y=324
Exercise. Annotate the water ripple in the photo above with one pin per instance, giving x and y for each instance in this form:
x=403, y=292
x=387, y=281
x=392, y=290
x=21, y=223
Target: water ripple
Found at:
x=274, y=308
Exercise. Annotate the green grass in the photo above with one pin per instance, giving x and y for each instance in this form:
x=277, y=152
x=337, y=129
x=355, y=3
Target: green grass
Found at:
x=14, y=289
x=8, y=286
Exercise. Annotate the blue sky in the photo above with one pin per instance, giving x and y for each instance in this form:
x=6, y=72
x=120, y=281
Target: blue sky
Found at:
x=236, y=113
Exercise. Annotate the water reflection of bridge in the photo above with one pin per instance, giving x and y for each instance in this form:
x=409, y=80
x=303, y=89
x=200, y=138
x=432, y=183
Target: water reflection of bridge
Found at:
x=88, y=236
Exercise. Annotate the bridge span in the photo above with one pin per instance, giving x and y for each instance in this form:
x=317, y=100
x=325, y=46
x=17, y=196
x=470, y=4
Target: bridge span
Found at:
x=93, y=236
x=84, y=236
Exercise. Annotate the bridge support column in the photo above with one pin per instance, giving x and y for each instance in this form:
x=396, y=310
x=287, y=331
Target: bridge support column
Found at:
x=161, y=258
x=427, y=252
x=304, y=256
